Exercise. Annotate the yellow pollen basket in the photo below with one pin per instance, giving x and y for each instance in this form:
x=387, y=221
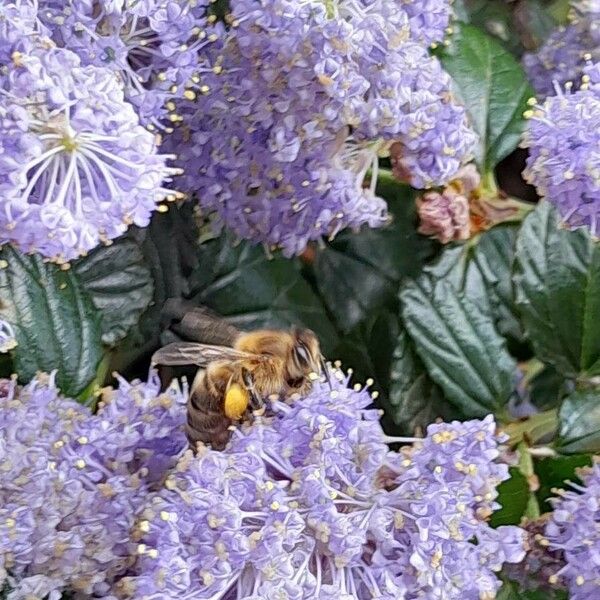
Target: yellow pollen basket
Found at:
x=236, y=401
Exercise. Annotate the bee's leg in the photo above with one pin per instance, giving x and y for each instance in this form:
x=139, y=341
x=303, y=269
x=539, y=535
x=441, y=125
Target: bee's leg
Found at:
x=256, y=402
x=325, y=371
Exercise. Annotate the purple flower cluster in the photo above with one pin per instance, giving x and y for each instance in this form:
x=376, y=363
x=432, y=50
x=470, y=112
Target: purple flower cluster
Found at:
x=573, y=529
x=428, y=19
x=563, y=56
x=309, y=502
x=563, y=138
x=76, y=166
x=297, y=102
x=71, y=483
x=278, y=112
x=152, y=46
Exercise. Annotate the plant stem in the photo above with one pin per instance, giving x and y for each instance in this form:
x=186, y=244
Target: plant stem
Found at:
x=526, y=466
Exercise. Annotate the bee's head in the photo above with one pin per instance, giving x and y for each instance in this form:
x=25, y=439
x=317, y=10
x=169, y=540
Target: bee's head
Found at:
x=306, y=357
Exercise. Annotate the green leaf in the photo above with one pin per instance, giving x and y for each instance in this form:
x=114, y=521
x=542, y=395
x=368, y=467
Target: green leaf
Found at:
x=55, y=322
x=169, y=247
x=579, y=418
x=513, y=495
x=553, y=472
x=511, y=591
x=481, y=270
x=459, y=344
x=495, y=17
x=6, y=366
x=251, y=290
x=547, y=388
x=367, y=349
x=493, y=87
x=414, y=400
x=557, y=284
x=358, y=274
x=533, y=22
x=494, y=254
x=456, y=266
x=120, y=285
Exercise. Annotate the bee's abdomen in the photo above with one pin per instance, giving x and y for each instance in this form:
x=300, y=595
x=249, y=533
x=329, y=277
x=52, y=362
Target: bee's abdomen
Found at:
x=206, y=421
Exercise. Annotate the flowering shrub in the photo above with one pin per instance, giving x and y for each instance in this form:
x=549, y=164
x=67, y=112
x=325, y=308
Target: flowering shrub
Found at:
x=416, y=182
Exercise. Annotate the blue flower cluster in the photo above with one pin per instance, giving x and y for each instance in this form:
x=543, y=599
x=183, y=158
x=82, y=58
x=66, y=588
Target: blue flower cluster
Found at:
x=306, y=502
x=297, y=103
x=563, y=138
x=277, y=112
x=71, y=483
x=573, y=530
x=563, y=56
x=310, y=503
x=76, y=165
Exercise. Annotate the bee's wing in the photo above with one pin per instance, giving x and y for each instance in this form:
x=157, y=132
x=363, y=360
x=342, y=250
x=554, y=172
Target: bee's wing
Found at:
x=191, y=353
x=198, y=323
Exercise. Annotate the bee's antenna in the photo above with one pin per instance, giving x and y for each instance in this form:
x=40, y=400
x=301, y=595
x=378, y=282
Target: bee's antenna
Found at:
x=325, y=371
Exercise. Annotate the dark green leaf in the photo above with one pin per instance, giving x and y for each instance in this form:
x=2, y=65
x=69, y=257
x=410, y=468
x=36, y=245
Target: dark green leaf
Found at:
x=169, y=246
x=493, y=87
x=496, y=18
x=367, y=349
x=359, y=273
x=120, y=285
x=579, y=418
x=513, y=495
x=55, y=323
x=6, y=366
x=494, y=255
x=557, y=285
x=547, y=389
x=511, y=591
x=459, y=344
x=553, y=472
x=533, y=23
x=481, y=270
x=456, y=266
x=251, y=290
x=414, y=400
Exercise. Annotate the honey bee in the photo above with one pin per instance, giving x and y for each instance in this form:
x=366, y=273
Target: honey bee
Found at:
x=236, y=375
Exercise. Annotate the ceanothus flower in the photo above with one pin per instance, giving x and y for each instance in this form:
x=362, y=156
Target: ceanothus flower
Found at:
x=76, y=167
x=308, y=502
x=563, y=138
x=71, y=482
x=153, y=46
x=563, y=56
x=18, y=23
x=573, y=530
x=297, y=102
x=428, y=19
